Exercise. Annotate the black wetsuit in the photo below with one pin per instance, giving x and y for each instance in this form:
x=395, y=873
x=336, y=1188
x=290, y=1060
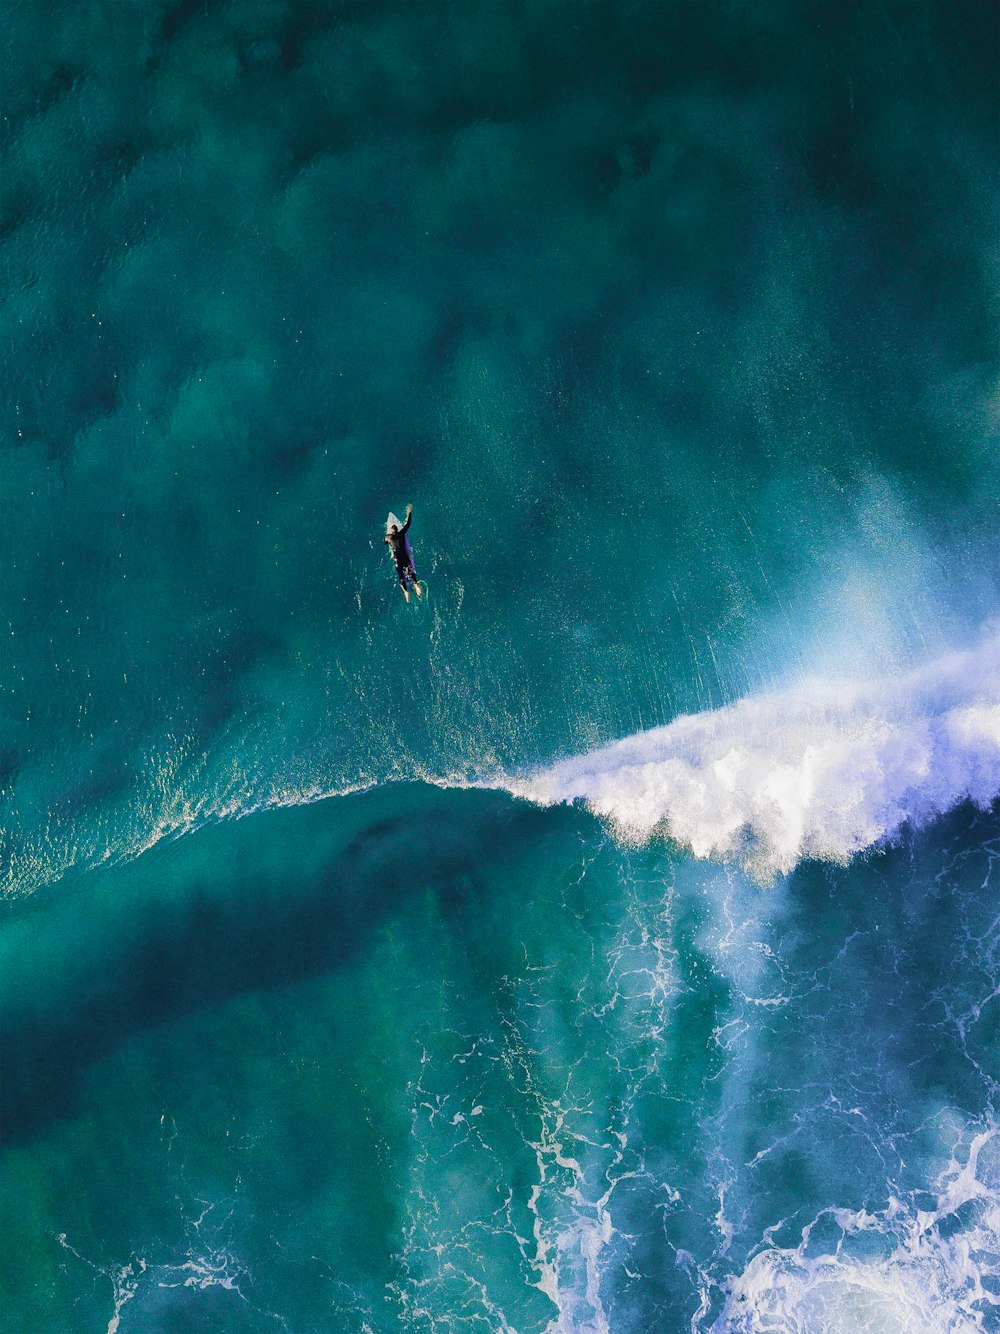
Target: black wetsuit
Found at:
x=401, y=553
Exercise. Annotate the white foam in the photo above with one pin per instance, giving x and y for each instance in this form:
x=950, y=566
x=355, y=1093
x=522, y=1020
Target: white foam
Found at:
x=821, y=770
x=938, y=1276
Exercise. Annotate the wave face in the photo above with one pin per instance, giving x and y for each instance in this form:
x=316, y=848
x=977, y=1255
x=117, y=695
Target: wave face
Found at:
x=821, y=771
x=677, y=325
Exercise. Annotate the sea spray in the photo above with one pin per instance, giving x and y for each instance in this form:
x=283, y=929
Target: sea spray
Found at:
x=821, y=770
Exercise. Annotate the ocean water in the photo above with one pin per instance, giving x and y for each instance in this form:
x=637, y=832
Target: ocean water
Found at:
x=610, y=941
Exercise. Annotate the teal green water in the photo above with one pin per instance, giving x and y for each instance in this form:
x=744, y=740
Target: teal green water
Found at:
x=676, y=323
x=388, y=1062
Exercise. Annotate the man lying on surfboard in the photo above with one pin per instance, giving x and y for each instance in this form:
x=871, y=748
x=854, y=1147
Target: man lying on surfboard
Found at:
x=402, y=553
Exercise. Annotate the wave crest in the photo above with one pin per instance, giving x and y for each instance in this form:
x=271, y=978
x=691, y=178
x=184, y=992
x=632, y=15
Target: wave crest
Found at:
x=821, y=770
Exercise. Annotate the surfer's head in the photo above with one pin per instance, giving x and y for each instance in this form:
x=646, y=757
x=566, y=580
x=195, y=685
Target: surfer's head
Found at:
x=393, y=528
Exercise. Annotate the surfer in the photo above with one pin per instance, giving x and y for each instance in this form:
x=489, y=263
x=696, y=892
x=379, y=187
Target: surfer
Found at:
x=399, y=545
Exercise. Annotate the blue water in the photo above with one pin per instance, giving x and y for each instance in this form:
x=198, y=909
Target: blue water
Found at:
x=608, y=941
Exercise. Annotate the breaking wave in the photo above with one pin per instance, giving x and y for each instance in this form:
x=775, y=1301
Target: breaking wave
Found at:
x=821, y=770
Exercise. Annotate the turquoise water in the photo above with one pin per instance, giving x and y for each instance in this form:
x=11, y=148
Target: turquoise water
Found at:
x=352, y=977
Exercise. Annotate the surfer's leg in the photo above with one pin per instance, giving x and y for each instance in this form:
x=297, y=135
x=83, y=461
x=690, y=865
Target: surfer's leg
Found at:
x=408, y=579
x=407, y=576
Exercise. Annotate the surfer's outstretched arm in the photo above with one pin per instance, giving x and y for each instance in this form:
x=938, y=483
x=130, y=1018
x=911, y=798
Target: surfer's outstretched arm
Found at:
x=409, y=518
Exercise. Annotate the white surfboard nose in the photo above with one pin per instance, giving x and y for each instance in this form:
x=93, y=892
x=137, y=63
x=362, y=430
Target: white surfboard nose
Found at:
x=392, y=522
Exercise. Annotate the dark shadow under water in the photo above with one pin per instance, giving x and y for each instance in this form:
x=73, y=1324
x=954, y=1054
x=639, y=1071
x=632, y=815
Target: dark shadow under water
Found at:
x=239, y=907
x=286, y=894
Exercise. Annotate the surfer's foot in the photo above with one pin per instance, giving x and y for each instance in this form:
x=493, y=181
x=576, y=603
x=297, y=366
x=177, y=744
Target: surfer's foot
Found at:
x=406, y=594
x=417, y=590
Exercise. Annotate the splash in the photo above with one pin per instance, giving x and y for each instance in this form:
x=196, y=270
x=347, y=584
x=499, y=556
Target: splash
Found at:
x=822, y=770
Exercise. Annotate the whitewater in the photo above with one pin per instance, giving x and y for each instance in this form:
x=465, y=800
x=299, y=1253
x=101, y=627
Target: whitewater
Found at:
x=821, y=770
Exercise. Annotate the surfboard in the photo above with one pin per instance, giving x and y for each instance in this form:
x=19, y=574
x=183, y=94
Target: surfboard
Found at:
x=391, y=522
